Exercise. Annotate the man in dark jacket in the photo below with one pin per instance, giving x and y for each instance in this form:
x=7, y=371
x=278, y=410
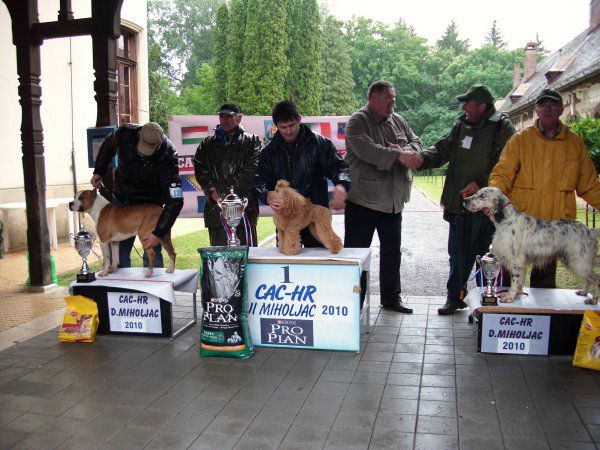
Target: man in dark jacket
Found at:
x=305, y=159
x=471, y=149
x=225, y=160
x=147, y=172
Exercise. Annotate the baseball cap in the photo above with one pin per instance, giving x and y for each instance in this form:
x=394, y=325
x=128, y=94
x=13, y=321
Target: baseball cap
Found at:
x=479, y=93
x=549, y=94
x=151, y=136
x=230, y=108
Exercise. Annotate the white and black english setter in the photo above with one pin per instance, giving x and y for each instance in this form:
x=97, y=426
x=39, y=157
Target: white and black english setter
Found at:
x=523, y=239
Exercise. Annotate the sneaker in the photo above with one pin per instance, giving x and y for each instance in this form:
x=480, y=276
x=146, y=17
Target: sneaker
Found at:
x=451, y=306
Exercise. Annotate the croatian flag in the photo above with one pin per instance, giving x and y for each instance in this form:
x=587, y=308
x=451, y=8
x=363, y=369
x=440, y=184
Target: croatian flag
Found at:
x=341, y=134
x=193, y=135
x=323, y=128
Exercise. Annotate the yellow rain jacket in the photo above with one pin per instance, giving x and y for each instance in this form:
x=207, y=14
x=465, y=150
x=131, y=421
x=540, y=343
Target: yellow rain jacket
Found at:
x=541, y=176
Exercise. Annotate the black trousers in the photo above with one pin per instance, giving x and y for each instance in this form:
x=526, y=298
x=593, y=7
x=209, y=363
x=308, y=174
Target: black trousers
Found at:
x=543, y=277
x=360, y=226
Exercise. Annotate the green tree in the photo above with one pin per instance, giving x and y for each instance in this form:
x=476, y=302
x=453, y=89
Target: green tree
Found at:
x=588, y=129
x=336, y=69
x=304, y=54
x=200, y=98
x=265, y=65
x=220, y=54
x=494, y=37
x=450, y=41
x=184, y=29
x=236, y=37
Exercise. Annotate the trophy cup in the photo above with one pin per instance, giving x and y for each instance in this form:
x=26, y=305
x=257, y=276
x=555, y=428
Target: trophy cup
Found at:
x=490, y=266
x=232, y=207
x=83, y=242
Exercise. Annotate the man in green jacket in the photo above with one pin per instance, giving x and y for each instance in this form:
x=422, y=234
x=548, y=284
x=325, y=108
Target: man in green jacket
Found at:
x=471, y=149
x=224, y=160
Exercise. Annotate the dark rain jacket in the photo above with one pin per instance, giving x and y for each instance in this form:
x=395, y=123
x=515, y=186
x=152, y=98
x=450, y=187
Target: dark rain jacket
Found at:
x=222, y=165
x=314, y=160
x=471, y=151
x=143, y=179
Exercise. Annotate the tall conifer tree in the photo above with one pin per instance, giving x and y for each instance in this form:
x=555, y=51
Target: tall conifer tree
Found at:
x=265, y=65
x=336, y=70
x=309, y=87
x=220, y=54
x=235, y=49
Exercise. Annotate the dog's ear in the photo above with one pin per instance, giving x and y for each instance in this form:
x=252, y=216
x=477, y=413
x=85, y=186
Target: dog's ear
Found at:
x=499, y=209
x=289, y=202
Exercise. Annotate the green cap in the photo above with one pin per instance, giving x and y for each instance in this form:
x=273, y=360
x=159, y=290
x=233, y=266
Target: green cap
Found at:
x=479, y=93
x=549, y=94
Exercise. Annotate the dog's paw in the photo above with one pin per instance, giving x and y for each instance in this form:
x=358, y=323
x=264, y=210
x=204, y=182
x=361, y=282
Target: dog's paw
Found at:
x=103, y=273
x=507, y=298
x=148, y=273
x=582, y=292
x=170, y=270
x=112, y=269
x=591, y=301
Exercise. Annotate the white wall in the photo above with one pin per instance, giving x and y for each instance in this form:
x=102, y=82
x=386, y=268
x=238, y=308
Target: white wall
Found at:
x=68, y=105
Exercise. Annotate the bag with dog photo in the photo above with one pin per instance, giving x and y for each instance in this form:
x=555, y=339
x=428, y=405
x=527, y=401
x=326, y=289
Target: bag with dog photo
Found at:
x=224, y=330
x=80, y=321
x=587, y=353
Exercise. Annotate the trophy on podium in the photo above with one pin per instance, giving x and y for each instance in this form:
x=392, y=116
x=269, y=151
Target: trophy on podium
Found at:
x=83, y=242
x=233, y=208
x=490, y=266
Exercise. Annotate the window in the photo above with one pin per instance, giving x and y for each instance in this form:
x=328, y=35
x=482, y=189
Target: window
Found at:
x=127, y=78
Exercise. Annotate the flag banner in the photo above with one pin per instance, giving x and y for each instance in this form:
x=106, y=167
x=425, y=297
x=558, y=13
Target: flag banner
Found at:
x=193, y=135
x=341, y=133
x=322, y=128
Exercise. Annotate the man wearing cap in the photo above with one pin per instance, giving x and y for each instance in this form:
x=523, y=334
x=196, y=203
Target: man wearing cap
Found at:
x=224, y=160
x=541, y=169
x=471, y=149
x=147, y=172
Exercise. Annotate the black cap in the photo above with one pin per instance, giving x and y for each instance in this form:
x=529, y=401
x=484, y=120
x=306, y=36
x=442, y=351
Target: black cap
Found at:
x=230, y=108
x=549, y=94
x=479, y=93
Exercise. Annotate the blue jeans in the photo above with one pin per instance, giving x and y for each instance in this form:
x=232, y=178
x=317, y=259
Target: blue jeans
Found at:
x=126, y=245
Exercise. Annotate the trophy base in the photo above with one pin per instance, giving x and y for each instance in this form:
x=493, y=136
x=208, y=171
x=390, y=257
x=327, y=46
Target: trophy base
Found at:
x=489, y=301
x=86, y=277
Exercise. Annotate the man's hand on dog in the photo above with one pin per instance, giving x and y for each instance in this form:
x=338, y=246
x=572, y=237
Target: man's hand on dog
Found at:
x=96, y=181
x=339, y=197
x=275, y=201
x=150, y=240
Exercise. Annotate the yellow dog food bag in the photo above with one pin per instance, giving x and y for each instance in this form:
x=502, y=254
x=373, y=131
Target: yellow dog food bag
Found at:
x=587, y=353
x=80, y=321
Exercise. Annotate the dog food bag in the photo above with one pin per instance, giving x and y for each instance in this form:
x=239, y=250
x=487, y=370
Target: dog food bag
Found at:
x=224, y=330
x=80, y=321
x=587, y=353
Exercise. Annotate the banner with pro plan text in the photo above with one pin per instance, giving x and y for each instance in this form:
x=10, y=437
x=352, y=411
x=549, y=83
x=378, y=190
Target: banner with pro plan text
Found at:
x=304, y=305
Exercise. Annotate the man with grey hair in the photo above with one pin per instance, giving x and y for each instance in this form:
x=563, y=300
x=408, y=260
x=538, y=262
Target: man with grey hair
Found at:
x=381, y=149
x=148, y=172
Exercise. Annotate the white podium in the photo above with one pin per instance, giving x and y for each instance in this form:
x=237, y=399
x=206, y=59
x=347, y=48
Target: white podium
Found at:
x=309, y=300
x=130, y=303
x=539, y=322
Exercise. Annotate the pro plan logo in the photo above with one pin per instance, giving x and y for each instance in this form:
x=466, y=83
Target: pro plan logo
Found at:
x=297, y=333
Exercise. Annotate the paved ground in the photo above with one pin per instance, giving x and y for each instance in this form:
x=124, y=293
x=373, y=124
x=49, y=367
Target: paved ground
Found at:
x=418, y=382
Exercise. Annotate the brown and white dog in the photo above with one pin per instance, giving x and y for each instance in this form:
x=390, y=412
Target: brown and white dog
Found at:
x=116, y=223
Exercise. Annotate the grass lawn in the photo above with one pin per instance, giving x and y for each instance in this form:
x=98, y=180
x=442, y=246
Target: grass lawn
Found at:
x=432, y=186
x=186, y=247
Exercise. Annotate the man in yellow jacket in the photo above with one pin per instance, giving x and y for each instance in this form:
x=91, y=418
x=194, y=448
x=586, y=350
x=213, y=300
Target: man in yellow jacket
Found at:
x=540, y=170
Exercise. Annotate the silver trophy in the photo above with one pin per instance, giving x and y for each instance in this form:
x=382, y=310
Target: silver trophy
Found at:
x=232, y=207
x=490, y=266
x=83, y=242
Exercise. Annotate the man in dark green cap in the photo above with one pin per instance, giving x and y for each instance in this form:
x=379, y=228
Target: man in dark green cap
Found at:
x=471, y=149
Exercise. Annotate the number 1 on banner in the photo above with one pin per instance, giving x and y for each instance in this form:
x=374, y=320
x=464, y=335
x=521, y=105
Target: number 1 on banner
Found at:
x=520, y=346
